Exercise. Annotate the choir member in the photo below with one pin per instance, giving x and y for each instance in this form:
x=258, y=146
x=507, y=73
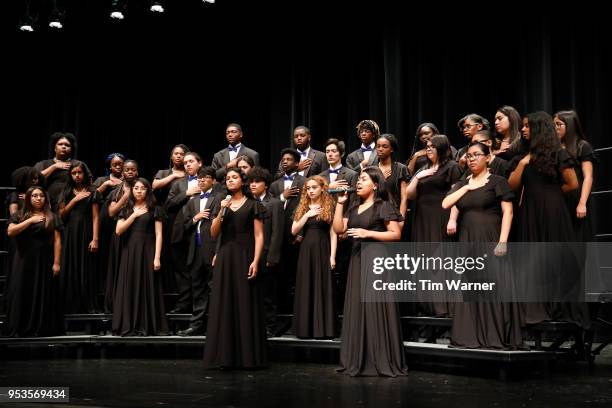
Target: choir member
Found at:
x=396, y=173
x=418, y=158
x=508, y=127
x=227, y=158
x=138, y=306
x=337, y=175
x=236, y=334
x=367, y=131
x=469, y=125
x=313, y=310
x=371, y=340
x=245, y=163
x=312, y=161
x=22, y=179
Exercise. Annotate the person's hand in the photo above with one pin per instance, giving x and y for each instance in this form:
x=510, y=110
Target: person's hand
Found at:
x=36, y=219
x=193, y=190
x=156, y=264
x=342, y=198
x=581, y=211
x=178, y=174
x=252, y=270
x=420, y=153
x=140, y=211
x=338, y=184
x=61, y=165
x=126, y=190
x=21, y=196
x=364, y=163
x=474, y=184
x=81, y=196
x=387, y=173
x=463, y=160
x=202, y=214
x=358, y=233
x=313, y=212
x=233, y=163
x=451, y=227
x=213, y=260
x=93, y=246
x=500, y=249
x=304, y=164
x=332, y=262
x=525, y=160
x=291, y=192
x=426, y=172
x=56, y=269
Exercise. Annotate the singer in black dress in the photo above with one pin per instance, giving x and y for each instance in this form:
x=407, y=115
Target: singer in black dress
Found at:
x=236, y=332
x=313, y=311
x=371, y=340
x=138, y=306
x=484, y=201
x=33, y=292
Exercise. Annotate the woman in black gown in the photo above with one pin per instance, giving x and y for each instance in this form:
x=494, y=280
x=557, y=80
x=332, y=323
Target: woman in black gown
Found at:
x=508, y=127
x=162, y=183
x=105, y=187
x=569, y=130
x=543, y=176
x=32, y=303
x=236, y=331
x=428, y=188
x=418, y=158
x=55, y=170
x=484, y=201
x=313, y=311
x=116, y=201
x=22, y=179
x=138, y=306
x=79, y=209
x=396, y=174
x=371, y=340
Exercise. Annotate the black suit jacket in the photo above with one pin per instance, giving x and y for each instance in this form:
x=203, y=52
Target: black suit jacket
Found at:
x=222, y=157
x=177, y=198
x=277, y=188
x=343, y=174
x=274, y=225
x=319, y=163
x=353, y=160
x=209, y=244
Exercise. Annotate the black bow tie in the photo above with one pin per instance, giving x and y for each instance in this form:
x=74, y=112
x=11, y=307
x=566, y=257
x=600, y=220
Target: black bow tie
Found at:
x=205, y=195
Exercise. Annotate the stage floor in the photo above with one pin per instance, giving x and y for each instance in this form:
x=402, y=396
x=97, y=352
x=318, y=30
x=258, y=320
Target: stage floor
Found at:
x=146, y=382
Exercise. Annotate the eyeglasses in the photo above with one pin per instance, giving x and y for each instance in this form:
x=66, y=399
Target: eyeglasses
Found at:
x=474, y=156
x=559, y=124
x=468, y=126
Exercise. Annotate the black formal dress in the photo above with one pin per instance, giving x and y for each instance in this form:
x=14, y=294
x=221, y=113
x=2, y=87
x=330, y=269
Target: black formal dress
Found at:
x=79, y=273
x=490, y=324
x=138, y=306
x=167, y=270
x=371, y=341
x=399, y=173
x=55, y=183
x=583, y=227
x=313, y=311
x=114, y=250
x=33, y=307
x=543, y=216
x=236, y=332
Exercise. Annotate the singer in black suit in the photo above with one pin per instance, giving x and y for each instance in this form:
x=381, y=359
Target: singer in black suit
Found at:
x=312, y=162
x=227, y=158
x=288, y=190
x=368, y=131
x=274, y=224
x=180, y=193
x=198, y=214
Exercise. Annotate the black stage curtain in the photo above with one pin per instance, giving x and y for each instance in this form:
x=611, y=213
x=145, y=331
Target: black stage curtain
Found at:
x=149, y=82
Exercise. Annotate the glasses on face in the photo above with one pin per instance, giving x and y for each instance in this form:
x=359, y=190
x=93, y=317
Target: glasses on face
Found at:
x=468, y=126
x=474, y=156
x=559, y=124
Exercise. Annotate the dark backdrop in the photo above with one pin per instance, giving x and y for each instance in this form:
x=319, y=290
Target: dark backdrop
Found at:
x=149, y=82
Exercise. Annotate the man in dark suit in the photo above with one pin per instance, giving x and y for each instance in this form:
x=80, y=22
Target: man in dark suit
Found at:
x=288, y=189
x=198, y=214
x=273, y=221
x=179, y=195
x=228, y=158
x=339, y=176
x=312, y=162
x=368, y=131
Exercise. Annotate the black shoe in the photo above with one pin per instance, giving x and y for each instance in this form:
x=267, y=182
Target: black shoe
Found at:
x=191, y=332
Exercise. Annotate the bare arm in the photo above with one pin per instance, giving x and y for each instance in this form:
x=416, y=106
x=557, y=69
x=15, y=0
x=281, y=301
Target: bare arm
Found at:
x=158, y=245
x=13, y=208
x=95, y=215
x=403, y=198
x=57, y=252
x=333, y=240
x=506, y=221
x=124, y=224
x=259, y=243
x=515, y=178
x=115, y=206
x=161, y=183
x=16, y=229
x=340, y=223
x=570, y=180
x=587, y=184
x=411, y=190
x=451, y=199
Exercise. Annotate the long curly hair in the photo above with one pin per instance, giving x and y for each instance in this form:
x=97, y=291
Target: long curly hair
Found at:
x=326, y=201
x=543, y=143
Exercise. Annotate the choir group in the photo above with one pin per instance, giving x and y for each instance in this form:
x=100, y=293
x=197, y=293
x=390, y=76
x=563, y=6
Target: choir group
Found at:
x=241, y=244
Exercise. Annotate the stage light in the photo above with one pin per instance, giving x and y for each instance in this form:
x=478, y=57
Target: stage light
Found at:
x=27, y=21
x=117, y=9
x=56, y=19
x=157, y=6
